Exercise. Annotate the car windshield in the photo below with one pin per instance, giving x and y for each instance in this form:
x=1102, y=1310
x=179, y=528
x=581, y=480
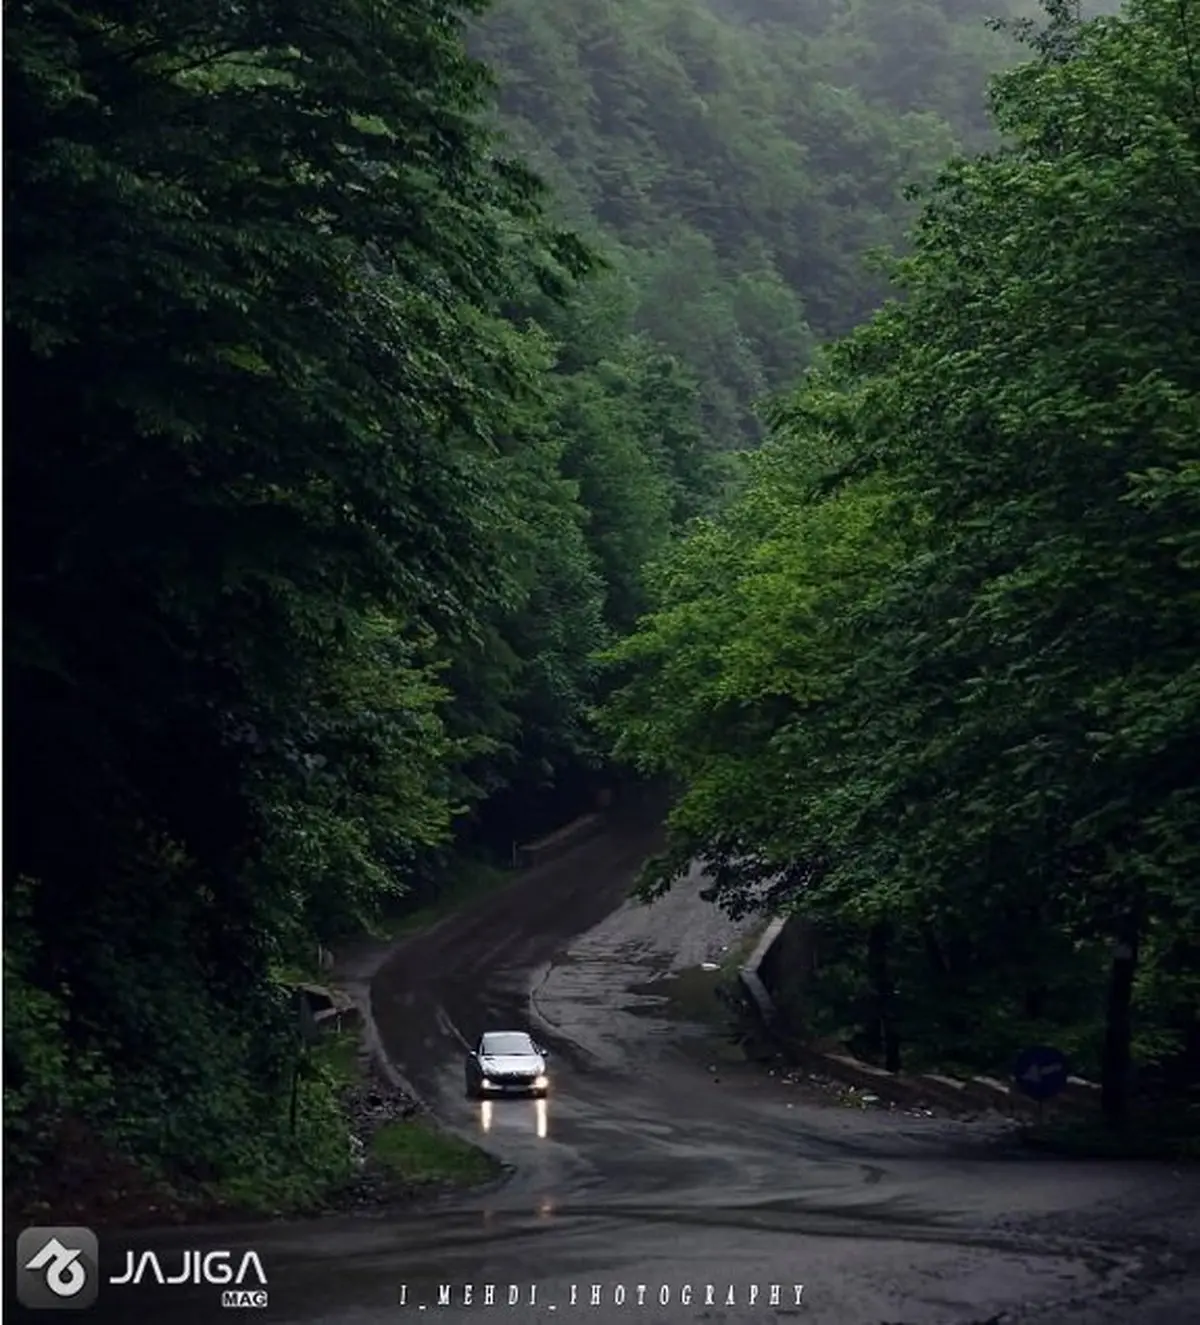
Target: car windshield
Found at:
x=506, y=1042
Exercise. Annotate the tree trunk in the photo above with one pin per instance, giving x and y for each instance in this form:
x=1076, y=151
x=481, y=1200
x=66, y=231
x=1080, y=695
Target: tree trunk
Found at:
x=1118, y=1030
x=884, y=995
x=933, y=952
x=295, y=1100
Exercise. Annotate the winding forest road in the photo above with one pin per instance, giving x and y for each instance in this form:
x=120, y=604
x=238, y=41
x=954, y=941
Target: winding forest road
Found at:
x=641, y=1170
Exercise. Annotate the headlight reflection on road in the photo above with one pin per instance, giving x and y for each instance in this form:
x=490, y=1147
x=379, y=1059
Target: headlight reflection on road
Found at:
x=541, y=1115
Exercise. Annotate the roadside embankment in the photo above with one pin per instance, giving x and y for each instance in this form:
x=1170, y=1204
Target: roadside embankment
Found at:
x=561, y=840
x=1067, y=1124
x=783, y=945
x=413, y=1151
x=398, y=1152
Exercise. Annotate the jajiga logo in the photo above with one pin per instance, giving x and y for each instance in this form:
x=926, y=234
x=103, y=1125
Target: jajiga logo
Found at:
x=220, y=1268
x=58, y=1269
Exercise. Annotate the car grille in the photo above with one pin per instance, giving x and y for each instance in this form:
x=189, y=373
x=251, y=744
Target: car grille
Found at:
x=510, y=1078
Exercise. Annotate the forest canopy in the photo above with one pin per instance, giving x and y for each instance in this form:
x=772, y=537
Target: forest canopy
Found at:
x=737, y=161
x=327, y=482
x=372, y=371
x=934, y=676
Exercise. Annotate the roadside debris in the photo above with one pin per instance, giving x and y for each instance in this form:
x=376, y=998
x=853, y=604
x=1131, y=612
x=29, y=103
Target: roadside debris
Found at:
x=372, y=1104
x=839, y=1093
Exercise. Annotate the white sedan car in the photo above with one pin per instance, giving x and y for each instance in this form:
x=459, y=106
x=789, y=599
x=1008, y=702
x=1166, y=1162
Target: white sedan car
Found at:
x=507, y=1063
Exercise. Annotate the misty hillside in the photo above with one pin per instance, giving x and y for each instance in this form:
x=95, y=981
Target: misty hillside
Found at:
x=740, y=157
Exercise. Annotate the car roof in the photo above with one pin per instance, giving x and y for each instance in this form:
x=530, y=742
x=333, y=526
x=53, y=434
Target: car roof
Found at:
x=523, y=1036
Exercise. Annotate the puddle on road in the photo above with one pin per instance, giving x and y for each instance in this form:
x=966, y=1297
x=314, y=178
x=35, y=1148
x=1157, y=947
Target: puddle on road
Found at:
x=621, y=1012
x=686, y=1004
x=635, y=954
x=644, y=981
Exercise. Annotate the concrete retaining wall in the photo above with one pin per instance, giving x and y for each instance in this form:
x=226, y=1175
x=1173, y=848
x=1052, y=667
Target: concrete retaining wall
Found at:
x=322, y=1008
x=785, y=956
x=788, y=966
x=556, y=843
x=752, y=973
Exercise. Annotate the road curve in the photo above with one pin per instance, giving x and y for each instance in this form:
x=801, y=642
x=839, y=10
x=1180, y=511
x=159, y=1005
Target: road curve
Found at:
x=647, y=1188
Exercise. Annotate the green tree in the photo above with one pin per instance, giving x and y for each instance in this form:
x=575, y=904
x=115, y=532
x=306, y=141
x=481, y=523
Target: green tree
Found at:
x=739, y=160
x=984, y=756
x=260, y=475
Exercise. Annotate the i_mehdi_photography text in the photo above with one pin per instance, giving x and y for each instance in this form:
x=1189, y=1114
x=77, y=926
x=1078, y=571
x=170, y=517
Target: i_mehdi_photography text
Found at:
x=582, y=1296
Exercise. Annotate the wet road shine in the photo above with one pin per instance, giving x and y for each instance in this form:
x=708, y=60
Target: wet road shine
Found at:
x=648, y=1189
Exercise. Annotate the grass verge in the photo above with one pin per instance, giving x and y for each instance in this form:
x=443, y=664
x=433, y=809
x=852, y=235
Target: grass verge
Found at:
x=471, y=881
x=417, y=1152
x=412, y=1151
x=314, y=1171
x=341, y=1054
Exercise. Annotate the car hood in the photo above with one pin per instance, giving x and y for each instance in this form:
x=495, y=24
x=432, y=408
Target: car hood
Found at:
x=515, y=1063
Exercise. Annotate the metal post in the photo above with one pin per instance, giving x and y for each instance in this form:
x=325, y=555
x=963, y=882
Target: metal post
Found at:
x=295, y=1098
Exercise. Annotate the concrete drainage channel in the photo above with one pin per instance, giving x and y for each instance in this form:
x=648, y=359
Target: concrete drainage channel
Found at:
x=973, y=1094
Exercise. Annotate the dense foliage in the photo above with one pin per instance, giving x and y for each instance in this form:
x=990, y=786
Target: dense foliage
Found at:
x=934, y=680
x=335, y=458
x=324, y=490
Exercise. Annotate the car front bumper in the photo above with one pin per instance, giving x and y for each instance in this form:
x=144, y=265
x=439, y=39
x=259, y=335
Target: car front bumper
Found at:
x=525, y=1086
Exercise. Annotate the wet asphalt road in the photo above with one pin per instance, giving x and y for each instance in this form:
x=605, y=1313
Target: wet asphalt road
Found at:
x=643, y=1190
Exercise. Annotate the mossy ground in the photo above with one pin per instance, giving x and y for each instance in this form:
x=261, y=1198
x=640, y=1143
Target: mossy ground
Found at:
x=419, y=1153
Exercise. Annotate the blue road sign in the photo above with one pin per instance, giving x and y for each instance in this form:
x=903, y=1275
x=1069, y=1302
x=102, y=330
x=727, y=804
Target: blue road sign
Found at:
x=1040, y=1072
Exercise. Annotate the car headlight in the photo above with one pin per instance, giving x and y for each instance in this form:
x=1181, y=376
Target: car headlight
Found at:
x=540, y=1083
